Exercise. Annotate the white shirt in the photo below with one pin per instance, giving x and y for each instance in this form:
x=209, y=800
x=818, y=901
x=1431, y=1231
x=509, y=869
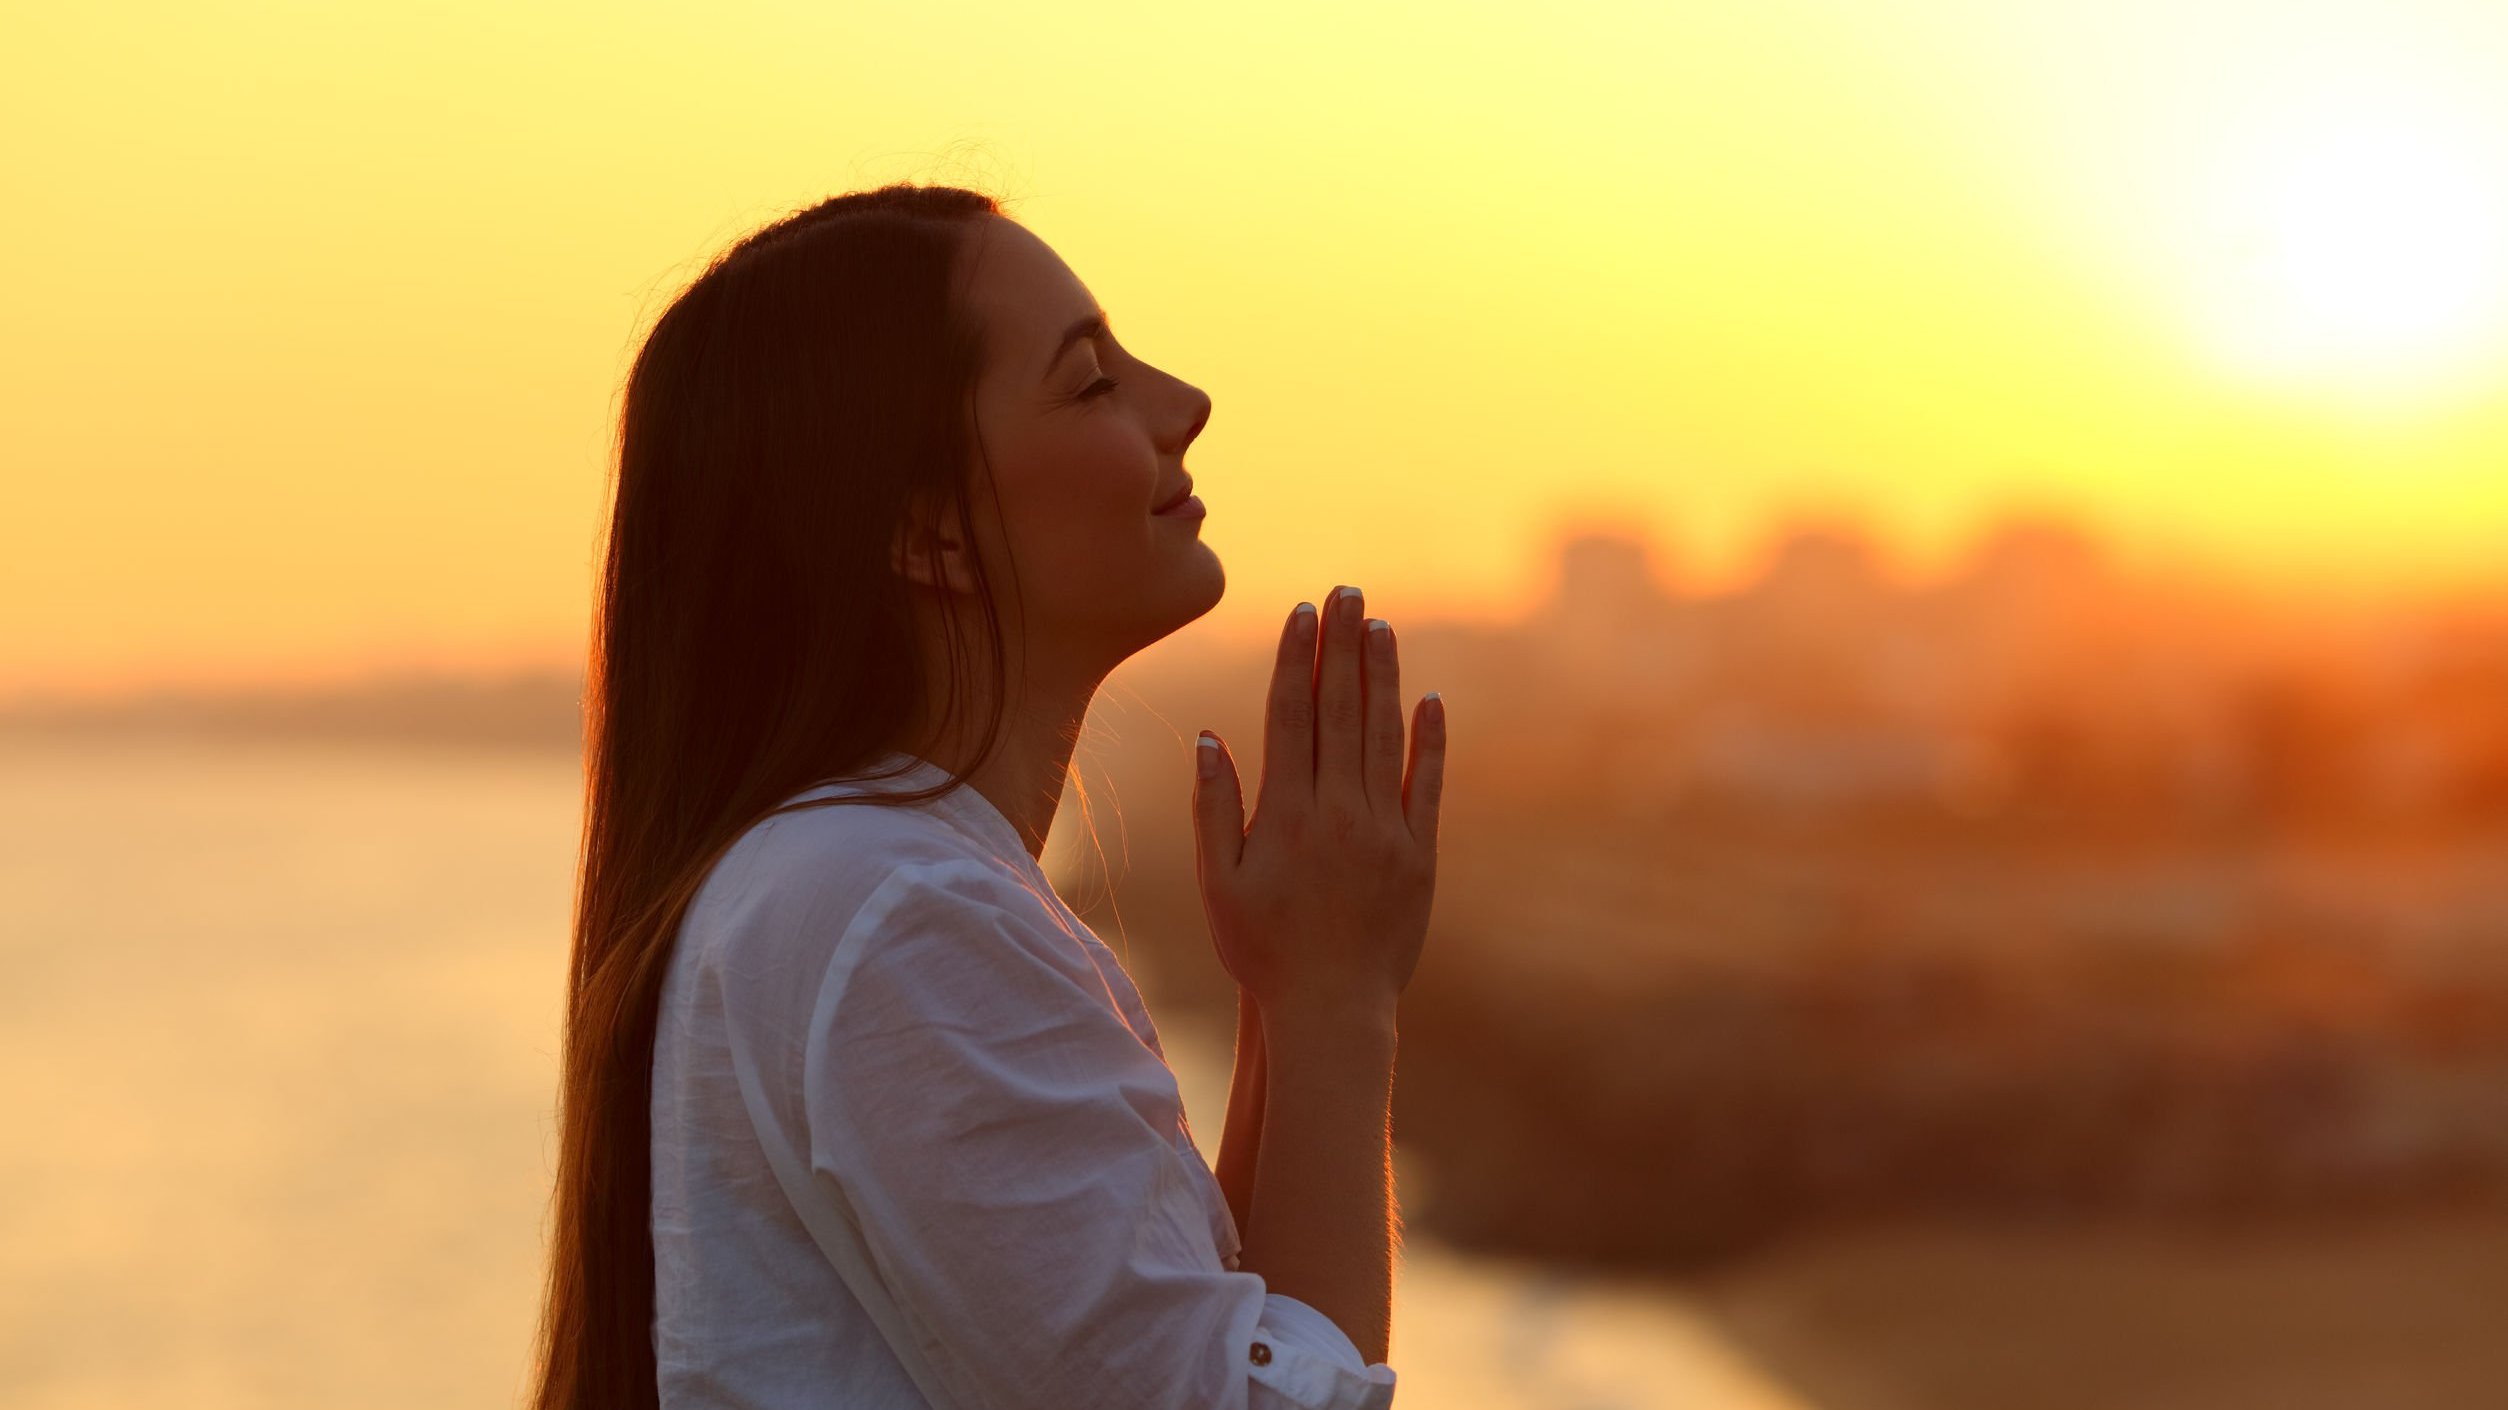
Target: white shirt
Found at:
x=916, y=1144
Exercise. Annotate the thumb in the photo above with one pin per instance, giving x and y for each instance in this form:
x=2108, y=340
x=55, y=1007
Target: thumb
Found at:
x=1218, y=810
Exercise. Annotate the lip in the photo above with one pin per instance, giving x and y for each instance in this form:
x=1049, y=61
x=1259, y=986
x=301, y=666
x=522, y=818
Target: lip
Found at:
x=1189, y=507
x=1180, y=497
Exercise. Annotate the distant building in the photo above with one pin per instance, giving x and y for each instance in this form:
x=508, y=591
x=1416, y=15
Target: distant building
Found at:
x=1610, y=625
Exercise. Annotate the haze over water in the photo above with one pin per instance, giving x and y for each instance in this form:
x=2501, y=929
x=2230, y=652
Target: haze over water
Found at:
x=280, y=1044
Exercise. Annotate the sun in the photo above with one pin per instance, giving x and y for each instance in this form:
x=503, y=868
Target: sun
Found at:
x=2357, y=245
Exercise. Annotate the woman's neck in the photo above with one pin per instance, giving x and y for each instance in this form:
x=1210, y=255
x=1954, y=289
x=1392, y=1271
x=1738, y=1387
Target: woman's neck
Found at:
x=1024, y=776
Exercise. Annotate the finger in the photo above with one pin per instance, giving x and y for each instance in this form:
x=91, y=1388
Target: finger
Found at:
x=1289, y=715
x=1425, y=789
x=1381, y=749
x=1218, y=808
x=1337, y=703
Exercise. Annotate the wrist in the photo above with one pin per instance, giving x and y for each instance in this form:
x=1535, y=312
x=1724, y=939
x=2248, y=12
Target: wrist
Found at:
x=1337, y=1020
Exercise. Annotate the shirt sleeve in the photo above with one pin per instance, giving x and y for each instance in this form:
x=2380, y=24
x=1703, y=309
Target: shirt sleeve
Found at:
x=1009, y=1149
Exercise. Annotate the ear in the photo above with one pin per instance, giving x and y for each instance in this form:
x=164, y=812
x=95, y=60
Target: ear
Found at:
x=931, y=555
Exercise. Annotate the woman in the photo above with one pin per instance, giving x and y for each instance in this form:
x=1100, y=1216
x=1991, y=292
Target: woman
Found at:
x=856, y=1112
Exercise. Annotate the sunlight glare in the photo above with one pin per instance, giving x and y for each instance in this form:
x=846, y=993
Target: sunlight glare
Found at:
x=2361, y=248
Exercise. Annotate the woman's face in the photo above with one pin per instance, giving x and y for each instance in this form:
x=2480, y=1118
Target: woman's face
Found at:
x=1084, y=440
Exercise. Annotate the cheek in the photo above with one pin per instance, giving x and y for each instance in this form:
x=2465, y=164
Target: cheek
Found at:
x=1080, y=512
x=1103, y=472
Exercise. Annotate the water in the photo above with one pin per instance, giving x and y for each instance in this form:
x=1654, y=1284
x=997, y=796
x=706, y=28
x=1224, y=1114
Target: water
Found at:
x=279, y=1042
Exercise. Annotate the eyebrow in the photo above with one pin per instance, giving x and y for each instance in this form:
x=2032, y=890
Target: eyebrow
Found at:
x=1088, y=327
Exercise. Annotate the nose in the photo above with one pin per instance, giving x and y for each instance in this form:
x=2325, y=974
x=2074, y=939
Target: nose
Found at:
x=1201, y=418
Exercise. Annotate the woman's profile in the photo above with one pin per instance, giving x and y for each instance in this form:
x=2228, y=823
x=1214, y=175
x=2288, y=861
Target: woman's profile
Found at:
x=854, y=1110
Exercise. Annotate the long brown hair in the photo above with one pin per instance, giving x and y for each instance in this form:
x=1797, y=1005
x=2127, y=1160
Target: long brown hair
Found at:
x=751, y=639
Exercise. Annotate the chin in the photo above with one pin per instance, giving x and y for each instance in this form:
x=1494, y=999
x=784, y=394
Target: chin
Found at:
x=1194, y=591
x=1216, y=580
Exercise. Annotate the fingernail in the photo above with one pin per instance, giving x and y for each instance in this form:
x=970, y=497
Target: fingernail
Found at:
x=1305, y=616
x=1206, y=751
x=1376, y=629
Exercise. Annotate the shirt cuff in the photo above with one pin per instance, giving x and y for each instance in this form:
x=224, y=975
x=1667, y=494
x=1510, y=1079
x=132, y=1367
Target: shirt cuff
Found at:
x=1306, y=1360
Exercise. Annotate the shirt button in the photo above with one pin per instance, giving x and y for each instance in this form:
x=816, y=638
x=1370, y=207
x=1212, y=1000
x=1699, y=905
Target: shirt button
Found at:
x=1261, y=1354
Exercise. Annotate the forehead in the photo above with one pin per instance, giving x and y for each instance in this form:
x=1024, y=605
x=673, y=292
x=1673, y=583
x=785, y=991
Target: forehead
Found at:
x=1022, y=293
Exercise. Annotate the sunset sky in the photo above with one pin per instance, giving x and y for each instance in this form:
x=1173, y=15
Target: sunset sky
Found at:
x=318, y=314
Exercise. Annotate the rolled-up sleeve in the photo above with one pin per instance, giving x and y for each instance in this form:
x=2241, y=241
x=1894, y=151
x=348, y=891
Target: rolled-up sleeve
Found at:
x=1009, y=1151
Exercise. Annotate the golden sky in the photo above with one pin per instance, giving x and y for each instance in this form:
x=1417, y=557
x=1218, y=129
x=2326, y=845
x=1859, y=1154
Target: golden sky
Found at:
x=317, y=314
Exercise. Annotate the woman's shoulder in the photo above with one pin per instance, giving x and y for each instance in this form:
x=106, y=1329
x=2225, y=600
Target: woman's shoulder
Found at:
x=793, y=881
x=824, y=826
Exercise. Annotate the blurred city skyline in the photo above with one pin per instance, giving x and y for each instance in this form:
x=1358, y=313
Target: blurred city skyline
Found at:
x=1618, y=572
